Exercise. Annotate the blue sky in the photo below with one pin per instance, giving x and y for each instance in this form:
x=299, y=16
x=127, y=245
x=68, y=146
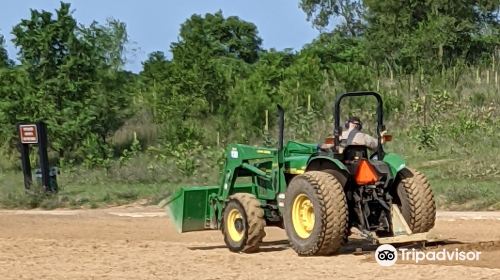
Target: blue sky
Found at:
x=153, y=24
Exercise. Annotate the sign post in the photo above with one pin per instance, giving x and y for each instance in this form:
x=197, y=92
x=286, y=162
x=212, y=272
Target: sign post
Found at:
x=35, y=134
x=25, y=164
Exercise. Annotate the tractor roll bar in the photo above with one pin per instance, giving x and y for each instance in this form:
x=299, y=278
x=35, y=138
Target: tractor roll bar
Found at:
x=281, y=126
x=337, y=129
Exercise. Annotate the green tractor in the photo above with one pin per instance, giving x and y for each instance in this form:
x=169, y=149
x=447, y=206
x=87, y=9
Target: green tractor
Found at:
x=316, y=196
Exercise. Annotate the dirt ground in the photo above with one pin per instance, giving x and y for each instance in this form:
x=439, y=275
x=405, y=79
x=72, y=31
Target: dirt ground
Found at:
x=140, y=243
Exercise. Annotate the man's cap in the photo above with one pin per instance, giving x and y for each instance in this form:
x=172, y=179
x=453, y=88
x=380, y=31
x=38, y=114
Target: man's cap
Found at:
x=354, y=120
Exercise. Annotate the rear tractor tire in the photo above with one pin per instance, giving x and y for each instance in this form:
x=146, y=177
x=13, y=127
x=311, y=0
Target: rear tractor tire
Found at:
x=416, y=200
x=243, y=223
x=315, y=214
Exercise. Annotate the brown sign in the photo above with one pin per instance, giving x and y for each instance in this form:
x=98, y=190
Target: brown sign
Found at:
x=28, y=134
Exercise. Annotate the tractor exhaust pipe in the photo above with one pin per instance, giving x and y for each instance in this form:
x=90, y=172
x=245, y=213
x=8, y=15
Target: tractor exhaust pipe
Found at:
x=281, y=126
x=281, y=152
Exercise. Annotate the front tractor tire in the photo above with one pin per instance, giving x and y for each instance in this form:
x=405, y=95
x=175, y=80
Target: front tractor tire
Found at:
x=416, y=200
x=315, y=214
x=243, y=223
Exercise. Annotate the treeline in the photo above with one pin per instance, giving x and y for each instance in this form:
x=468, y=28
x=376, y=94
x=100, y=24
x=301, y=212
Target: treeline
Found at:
x=220, y=83
x=69, y=76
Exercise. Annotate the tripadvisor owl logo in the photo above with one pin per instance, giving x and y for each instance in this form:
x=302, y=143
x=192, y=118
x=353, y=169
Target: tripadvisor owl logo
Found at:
x=386, y=255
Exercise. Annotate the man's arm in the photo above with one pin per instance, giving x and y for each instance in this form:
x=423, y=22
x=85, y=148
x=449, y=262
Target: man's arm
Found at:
x=370, y=142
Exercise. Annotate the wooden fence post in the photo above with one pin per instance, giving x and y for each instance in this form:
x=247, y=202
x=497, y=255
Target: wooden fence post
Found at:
x=308, y=103
x=454, y=75
x=266, y=126
x=411, y=83
x=496, y=80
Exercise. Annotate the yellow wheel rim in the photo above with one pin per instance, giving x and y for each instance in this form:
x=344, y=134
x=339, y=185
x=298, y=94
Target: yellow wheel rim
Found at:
x=234, y=225
x=303, y=216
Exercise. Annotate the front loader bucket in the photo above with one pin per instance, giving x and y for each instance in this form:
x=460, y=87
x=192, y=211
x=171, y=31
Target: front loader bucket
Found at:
x=189, y=207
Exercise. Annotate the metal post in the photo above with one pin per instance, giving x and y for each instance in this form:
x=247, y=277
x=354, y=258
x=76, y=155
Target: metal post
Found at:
x=26, y=166
x=281, y=132
x=44, y=159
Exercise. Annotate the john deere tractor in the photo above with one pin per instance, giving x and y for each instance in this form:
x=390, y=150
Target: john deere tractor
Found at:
x=316, y=196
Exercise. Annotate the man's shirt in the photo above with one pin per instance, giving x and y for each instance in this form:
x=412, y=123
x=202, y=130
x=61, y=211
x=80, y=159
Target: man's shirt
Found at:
x=360, y=139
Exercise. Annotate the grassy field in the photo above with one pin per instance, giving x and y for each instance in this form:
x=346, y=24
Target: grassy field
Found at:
x=89, y=188
x=458, y=194
x=77, y=194
x=464, y=173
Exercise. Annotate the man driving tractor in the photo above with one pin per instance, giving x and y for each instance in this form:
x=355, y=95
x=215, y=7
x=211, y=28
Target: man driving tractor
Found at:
x=315, y=196
x=353, y=136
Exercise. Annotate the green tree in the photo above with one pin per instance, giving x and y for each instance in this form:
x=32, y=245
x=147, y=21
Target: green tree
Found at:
x=212, y=54
x=17, y=103
x=174, y=107
x=4, y=58
x=155, y=69
x=73, y=78
x=205, y=45
x=345, y=58
x=260, y=91
x=215, y=36
x=114, y=86
x=109, y=40
x=323, y=13
x=426, y=34
x=155, y=82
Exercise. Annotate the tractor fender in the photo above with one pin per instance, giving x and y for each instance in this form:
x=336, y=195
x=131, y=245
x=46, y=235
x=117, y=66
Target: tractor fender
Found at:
x=325, y=162
x=396, y=163
x=329, y=165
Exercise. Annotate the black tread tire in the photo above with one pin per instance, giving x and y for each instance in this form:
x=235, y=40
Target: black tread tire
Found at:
x=416, y=200
x=330, y=208
x=340, y=176
x=254, y=222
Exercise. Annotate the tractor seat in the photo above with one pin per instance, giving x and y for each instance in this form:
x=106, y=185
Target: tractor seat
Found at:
x=354, y=152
